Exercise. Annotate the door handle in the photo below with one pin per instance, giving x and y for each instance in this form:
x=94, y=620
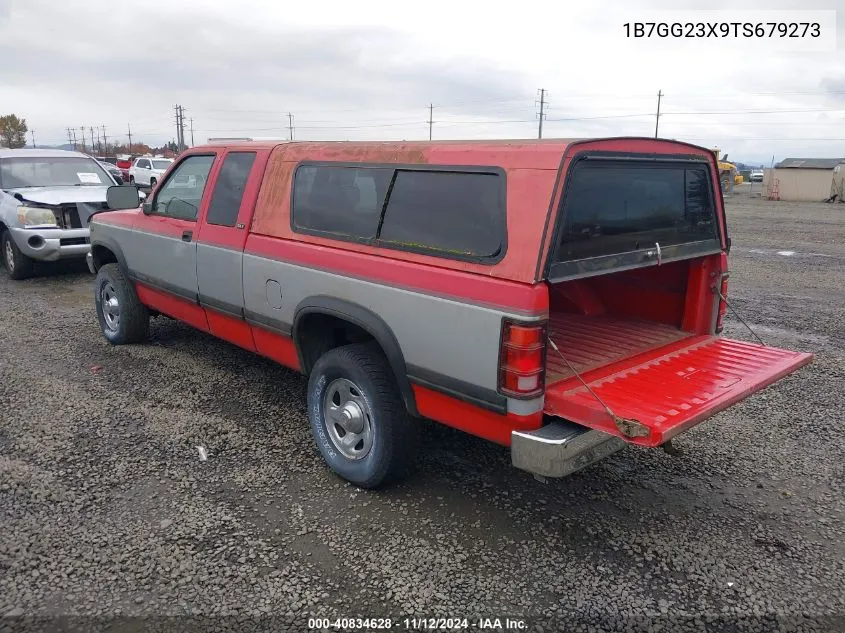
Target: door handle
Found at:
x=187, y=236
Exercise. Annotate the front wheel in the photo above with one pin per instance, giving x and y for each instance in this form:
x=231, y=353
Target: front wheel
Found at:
x=153, y=183
x=18, y=265
x=123, y=318
x=358, y=418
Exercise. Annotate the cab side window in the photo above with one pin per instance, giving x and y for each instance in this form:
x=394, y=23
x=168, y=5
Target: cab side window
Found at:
x=229, y=188
x=181, y=194
x=143, y=163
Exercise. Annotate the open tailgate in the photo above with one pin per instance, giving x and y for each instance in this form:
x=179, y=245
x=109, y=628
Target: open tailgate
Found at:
x=670, y=389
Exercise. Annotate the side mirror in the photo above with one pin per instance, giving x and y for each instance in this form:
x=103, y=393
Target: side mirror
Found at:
x=147, y=208
x=122, y=197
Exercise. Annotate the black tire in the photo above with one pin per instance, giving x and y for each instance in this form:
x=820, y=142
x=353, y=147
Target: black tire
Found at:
x=18, y=265
x=131, y=180
x=153, y=182
x=133, y=319
x=394, y=434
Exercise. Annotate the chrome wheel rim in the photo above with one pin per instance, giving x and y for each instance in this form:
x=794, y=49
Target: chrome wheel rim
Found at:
x=348, y=419
x=111, y=306
x=10, y=255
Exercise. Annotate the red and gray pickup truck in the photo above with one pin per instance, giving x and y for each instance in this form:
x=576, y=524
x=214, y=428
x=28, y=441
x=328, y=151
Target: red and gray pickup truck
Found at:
x=563, y=298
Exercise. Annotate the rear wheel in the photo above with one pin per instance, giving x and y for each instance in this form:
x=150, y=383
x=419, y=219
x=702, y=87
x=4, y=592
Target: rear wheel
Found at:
x=358, y=418
x=131, y=180
x=18, y=265
x=123, y=318
x=152, y=183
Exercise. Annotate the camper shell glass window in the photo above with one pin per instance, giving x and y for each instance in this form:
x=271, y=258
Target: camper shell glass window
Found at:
x=346, y=201
x=613, y=207
x=454, y=213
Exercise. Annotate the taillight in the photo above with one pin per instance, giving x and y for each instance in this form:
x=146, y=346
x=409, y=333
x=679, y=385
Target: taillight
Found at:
x=723, y=307
x=522, y=359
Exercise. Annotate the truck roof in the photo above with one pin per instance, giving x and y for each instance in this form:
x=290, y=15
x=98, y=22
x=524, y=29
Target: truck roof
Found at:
x=505, y=153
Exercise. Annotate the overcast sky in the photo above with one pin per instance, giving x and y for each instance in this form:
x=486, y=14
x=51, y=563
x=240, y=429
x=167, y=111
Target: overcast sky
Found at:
x=369, y=69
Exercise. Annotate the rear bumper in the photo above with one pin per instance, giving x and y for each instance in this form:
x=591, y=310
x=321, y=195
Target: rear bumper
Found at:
x=50, y=245
x=561, y=448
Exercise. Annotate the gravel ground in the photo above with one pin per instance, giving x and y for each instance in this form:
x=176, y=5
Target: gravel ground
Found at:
x=107, y=511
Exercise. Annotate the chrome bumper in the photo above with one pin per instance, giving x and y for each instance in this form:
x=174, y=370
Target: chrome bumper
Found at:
x=46, y=244
x=561, y=448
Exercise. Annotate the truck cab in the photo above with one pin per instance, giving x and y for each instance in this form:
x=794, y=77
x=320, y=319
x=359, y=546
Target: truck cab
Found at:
x=562, y=298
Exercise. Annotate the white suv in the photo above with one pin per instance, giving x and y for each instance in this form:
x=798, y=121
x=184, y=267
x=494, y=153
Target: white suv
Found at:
x=146, y=171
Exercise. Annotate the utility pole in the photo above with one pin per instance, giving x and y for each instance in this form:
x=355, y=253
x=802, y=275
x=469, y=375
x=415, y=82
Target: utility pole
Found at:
x=105, y=141
x=183, y=144
x=129, y=127
x=33, y=138
x=430, y=119
x=192, y=131
x=75, y=145
x=290, y=125
x=94, y=148
x=178, y=128
x=542, y=114
x=657, y=118
x=70, y=140
x=82, y=129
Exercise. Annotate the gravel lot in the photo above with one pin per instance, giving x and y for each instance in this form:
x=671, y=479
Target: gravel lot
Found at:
x=107, y=510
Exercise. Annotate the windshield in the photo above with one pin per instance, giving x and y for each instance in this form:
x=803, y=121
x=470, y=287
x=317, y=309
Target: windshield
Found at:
x=616, y=206
x=161, y=164
x=34, y=171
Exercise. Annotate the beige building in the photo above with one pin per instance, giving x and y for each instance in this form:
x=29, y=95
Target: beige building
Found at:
x=803, y=179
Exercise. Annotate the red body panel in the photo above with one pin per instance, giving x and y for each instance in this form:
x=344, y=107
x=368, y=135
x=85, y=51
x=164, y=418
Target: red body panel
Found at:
x=161, y=225
x=125, y=218
x=672, y=388
x=276, y=347
x=172, y=306
x=472, y=419
x=230, y=329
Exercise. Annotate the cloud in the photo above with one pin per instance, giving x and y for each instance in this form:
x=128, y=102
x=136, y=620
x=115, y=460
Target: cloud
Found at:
x=346, y=72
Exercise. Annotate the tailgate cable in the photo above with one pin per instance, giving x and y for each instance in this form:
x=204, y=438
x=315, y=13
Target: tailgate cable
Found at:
x=627, y=426
x=737, y=315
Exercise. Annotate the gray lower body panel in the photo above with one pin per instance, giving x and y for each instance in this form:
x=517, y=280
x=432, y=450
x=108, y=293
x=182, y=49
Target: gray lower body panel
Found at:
x=561, y=448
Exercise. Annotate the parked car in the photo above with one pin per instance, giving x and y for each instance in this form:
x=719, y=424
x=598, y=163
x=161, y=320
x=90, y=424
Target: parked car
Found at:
x=123, y=163
x=561, y=298
x=756, y=175
x=46, y=200
x=116, y=173
x=147, y=171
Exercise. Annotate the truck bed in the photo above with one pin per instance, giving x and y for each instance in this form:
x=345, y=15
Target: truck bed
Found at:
x=589, y=342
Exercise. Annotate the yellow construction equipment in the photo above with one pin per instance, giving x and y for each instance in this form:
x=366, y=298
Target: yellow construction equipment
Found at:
x=728, y=173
